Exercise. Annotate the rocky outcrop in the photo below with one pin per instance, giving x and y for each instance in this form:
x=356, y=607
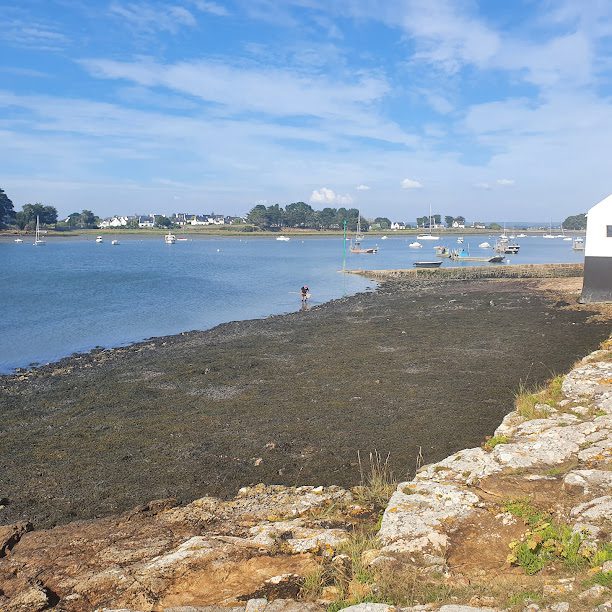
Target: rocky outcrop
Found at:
x=160, y=557
x=451, y=512
x=422, y=515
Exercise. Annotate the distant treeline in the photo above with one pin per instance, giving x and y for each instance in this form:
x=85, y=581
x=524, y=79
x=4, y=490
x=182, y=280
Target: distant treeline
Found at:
x=296, y=215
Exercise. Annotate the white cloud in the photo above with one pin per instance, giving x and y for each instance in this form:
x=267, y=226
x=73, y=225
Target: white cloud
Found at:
x=505, y=182
x=149, y=19
x=362, y=188
x=329, y=196
x=411, y=184
x=482, y=185
x=32, y=35
x=211, y=7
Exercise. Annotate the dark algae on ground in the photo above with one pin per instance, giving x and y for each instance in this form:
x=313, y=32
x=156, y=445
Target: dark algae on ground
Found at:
x=289, y=399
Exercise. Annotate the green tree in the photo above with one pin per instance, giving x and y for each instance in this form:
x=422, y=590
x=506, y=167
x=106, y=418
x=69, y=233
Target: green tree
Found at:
x=382, y=222
x=257, y=216
x=327, y=217
x=495, y=226
x=7, y=213
x=46, y=214
x=88, y=219
x=299, y=214
x=73, y=219
x=275, y=216
x=448, y=220
x=576, y=222
x=162, y=221
x=460, y=220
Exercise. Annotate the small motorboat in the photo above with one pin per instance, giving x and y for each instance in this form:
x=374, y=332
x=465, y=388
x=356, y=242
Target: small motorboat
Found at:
x=427, y=264
x=169, y=238
x=521, y=235
x=99, y=239
x=415, y=245
x=484, y=245
x=383, y=238
x=460, y=240
x=283, y=238
x=114, y=242
x=18, y=240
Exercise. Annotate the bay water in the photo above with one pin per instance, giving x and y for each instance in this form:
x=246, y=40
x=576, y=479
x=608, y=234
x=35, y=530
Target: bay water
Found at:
x=74, y=294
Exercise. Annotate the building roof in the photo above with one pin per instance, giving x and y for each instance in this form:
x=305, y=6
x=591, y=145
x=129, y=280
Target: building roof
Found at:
x=603, y=204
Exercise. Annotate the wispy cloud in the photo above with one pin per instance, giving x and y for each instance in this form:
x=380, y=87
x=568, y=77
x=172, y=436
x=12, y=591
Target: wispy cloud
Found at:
x=213, y=8
x=33, y=35
x=148, y=18
x=362, y=187
x=505, y=182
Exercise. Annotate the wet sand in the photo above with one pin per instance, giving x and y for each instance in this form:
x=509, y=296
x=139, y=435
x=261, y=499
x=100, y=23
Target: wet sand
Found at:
x=420, y=364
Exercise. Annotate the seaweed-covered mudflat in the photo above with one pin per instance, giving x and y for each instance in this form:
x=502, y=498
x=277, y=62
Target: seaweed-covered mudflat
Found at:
x=418, y=367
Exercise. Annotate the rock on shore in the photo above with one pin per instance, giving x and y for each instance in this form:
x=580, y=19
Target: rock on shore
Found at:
x=251, y=553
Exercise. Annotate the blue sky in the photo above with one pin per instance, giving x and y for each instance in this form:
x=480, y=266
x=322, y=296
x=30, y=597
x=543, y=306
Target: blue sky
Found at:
x=490, y=109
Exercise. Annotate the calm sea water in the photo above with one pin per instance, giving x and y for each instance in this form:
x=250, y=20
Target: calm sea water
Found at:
x=72, y=294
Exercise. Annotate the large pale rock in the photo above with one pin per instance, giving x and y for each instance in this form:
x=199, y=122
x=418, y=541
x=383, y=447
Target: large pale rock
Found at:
x=294, y=537
x=587, y=481
x=551, y=447
x=595, y=510
x=466, y=467
x=413, y=521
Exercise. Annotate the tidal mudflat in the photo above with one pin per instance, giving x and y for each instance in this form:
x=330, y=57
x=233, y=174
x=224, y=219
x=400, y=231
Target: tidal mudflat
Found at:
x=422, y=366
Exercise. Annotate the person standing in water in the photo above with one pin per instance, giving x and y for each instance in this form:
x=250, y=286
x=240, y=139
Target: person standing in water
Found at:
x=305, y=293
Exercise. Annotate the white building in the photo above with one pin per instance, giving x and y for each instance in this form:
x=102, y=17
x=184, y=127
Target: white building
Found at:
x=114, y=222
x=146, y=221
x=597, y=284
x=398, y=225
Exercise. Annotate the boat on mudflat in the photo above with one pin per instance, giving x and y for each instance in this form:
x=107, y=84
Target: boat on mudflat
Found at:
x=427, y=264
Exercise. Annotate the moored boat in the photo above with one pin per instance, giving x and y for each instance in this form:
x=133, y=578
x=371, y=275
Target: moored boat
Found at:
x=427, y=264
x=38, y=241
x=169, y=238
x=356, y=243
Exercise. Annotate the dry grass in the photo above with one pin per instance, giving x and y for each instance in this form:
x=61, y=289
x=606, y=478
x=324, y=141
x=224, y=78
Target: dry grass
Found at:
x=376, y=481
x=527, y=401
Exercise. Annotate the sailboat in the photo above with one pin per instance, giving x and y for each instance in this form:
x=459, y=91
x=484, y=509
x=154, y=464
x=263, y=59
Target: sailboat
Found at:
x=37, y=240
x=550, y=234
x=429, y=236
x=356, y=242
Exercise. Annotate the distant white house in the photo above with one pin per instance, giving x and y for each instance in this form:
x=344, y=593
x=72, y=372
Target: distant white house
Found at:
x=398, y=225
x=597, y=283
x=197, y=220
x=458, y=225
x=146, y=221
x=114, y=222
